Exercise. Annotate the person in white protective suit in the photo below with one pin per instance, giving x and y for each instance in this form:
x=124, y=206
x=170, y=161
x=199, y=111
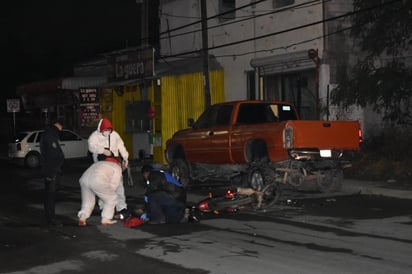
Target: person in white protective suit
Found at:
x=106, y=142
x=102, y=179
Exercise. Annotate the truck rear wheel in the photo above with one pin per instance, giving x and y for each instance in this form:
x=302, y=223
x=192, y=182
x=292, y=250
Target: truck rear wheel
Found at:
x=179, y=169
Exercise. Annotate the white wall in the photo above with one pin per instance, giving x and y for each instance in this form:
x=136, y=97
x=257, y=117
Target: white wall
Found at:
x=236, y=59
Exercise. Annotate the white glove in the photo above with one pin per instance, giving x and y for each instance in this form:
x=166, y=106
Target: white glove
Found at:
x=107, y=152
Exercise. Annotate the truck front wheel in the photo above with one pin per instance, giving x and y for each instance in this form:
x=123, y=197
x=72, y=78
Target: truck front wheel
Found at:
x=179, y=169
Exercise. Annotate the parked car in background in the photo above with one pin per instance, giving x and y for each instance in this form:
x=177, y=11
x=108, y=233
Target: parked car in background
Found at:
x=26, y=146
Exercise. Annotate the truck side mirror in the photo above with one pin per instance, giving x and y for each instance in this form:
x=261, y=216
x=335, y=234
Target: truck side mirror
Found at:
x=190, y=122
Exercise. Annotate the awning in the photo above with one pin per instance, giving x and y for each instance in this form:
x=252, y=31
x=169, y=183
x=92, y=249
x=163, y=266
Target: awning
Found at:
x=40, y=87
x=75, y=83
x=51, y=86
x=185, y=66
x=121, y=83
x=170, y=68
x=290, y=62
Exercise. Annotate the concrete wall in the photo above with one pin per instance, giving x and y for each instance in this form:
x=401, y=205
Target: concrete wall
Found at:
x=236, y=58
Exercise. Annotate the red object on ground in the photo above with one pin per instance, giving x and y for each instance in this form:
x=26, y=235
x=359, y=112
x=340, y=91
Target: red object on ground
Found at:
x=132, y=222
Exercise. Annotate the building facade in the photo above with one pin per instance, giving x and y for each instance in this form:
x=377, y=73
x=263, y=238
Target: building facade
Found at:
x=289, y=50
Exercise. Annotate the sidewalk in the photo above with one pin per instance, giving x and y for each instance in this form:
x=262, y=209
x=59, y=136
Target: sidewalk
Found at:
x=388, y=188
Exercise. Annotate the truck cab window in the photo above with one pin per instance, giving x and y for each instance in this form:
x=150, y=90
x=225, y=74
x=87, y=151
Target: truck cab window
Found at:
x=215, y=116
x=286, y=113
x=224, y=115
x=255, y=114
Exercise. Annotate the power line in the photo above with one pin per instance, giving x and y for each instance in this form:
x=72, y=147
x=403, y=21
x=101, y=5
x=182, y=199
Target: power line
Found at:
x=249, y=17
x=287, y=46
x=290, y=45
x=304, y=42
x=287, y=30
x=212, y=17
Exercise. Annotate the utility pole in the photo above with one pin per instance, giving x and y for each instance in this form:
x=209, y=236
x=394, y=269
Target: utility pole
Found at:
x=314, y=55
x=144, y=22
x=205, y=52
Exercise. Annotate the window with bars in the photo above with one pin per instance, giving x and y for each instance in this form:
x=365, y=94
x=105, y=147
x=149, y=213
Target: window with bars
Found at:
x=282, y=3
x=226, y=6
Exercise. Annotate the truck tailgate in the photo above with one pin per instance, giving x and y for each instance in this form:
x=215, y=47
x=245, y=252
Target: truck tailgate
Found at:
x=325, y=134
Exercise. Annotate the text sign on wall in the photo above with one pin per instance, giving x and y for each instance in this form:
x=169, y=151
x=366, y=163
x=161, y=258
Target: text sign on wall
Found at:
x=89, y=106
x=130, y=65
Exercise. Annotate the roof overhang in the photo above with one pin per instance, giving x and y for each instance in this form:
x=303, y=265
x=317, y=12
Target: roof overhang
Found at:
x=185, y=66
x=74, y=83
x=276, y=64
x=40, y=87
x=114, y=84
x=55, y=85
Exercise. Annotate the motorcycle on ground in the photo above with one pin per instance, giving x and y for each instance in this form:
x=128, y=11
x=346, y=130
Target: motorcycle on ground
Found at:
x=234, y=199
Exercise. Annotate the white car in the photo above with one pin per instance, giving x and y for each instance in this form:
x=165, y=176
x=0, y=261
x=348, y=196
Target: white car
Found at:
x=26, y=146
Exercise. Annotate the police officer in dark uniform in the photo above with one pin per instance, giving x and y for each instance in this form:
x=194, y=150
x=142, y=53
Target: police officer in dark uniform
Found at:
x=165, y=197
x=52, y=158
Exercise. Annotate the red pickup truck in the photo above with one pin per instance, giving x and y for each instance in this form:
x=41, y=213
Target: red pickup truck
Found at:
x=262, y=142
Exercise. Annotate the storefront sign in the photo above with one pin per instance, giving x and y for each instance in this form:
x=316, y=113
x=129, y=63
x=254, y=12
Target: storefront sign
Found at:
x=130, y=65
x=89, y=106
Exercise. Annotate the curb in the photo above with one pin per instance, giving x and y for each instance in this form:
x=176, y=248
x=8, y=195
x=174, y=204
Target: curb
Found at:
x=375, y=188
x=394, y=193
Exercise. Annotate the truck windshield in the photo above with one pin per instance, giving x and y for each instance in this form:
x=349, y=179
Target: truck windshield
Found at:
x=256, y=113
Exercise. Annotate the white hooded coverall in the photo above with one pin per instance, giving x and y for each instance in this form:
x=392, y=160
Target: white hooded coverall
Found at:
x=97, y=143
x=101, y=179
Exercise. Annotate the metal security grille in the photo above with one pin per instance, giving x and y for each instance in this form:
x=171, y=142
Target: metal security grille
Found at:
x=137, y=119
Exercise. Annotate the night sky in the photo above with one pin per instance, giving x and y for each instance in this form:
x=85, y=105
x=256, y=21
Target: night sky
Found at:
x=42, y=39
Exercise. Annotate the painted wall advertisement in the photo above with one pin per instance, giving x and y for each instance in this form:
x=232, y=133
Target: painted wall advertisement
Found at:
x=89, y=107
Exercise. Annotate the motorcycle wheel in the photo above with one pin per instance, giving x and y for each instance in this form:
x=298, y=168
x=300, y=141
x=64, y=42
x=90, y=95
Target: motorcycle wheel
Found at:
x=262, y=179
x=271, y=195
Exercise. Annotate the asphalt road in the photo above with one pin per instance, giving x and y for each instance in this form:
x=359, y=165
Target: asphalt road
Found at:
x=305, y=233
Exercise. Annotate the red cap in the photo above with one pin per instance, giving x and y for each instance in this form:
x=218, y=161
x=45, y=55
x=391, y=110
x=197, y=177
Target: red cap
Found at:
x=105, y=125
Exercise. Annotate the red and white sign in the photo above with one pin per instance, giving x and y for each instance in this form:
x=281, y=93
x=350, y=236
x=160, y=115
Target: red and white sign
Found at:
x=89, y=106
